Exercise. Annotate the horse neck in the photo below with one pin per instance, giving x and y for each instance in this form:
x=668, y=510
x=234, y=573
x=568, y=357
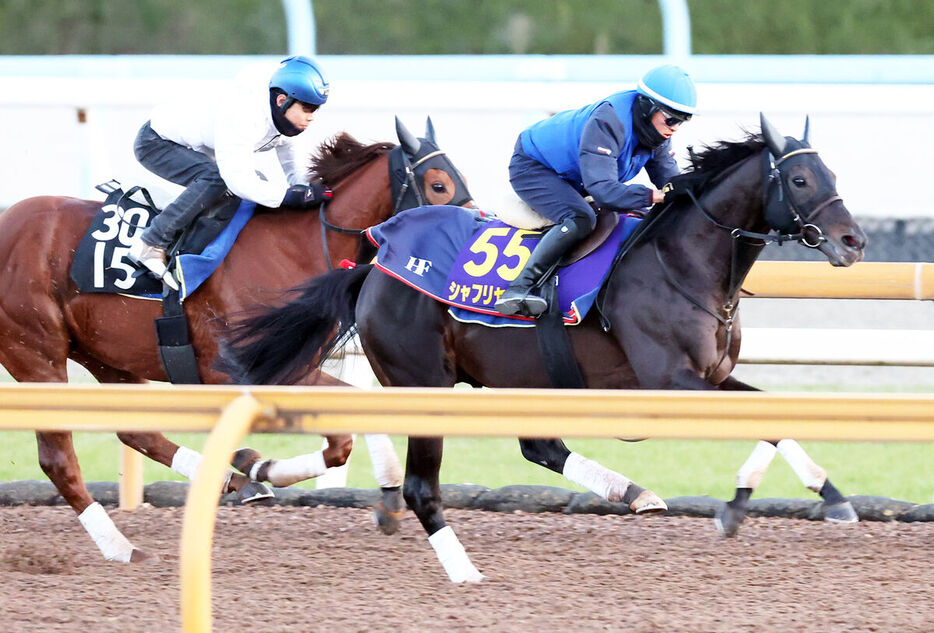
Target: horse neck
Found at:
x=708, y=250
x=363, y=198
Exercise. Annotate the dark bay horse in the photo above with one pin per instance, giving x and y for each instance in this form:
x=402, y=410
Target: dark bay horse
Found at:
x=669, y=307
x=44, y=320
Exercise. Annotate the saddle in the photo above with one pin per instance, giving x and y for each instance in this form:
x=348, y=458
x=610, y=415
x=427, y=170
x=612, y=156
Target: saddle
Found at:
x=606, y=223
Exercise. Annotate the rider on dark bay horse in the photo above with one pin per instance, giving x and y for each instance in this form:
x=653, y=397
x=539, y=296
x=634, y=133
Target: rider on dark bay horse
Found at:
x=212, y=147
x=594, y=150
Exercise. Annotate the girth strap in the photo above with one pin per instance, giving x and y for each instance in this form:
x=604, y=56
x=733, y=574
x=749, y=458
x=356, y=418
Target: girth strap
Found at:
x=175, y=349
x=554, y=343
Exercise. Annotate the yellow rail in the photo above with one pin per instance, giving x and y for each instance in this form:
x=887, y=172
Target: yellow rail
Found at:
x=819, y=280
x=488, y=412
x=201, y=512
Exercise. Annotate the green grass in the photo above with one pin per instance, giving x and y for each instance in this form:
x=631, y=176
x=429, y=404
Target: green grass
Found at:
x=669, y=467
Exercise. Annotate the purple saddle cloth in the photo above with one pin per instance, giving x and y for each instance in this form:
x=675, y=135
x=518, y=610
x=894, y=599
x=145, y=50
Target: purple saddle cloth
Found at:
x=461, y=258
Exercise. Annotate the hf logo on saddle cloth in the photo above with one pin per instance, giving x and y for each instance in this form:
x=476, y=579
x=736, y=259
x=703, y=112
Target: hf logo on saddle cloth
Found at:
x=102, y=264
x=461, y=258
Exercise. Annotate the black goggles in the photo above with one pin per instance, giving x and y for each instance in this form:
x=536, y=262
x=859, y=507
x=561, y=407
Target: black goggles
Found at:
x=674, y=118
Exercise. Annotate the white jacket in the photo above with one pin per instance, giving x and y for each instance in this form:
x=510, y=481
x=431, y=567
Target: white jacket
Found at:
x=233, y=127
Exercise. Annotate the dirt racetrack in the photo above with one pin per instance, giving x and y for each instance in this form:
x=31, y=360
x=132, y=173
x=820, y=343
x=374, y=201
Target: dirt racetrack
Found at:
x=327, y=569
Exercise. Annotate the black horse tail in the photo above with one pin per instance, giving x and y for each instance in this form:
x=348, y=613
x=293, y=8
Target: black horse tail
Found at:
x=282, y=345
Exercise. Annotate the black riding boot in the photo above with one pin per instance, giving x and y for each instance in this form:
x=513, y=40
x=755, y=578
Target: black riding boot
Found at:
x=520, y=297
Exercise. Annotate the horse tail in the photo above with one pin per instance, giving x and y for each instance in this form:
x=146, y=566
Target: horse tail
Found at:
x=282, y=345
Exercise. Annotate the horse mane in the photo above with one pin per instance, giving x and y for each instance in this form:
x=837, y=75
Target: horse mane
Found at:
x=341, y=155
x=714, y=159
x=706, y=165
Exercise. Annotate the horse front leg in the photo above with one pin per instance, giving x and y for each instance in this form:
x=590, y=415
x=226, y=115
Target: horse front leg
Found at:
x=185, y=462
x=60, y=464
x=837, y=508
x=608, y=484
x=285, y=472
x=422, y=491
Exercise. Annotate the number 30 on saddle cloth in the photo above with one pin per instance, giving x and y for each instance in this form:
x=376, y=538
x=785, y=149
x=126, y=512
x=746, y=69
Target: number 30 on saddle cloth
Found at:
x=101, y=264
x=461, y=258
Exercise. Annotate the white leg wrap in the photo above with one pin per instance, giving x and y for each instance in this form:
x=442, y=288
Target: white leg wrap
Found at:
x=750, y=475
x=453, y=556
x=386, y=466
x=810, y=474
x=112, y=544
x=594, y=477
x=285, y=472
x=185, y=462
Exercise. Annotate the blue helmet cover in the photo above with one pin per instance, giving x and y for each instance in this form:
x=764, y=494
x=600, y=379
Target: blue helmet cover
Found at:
x=301, y=78
x=670, y=86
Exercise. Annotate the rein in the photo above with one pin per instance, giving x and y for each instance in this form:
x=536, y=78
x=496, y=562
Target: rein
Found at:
x=410, y=180
x=727, y=313
x=772, y=174
x=327, y=226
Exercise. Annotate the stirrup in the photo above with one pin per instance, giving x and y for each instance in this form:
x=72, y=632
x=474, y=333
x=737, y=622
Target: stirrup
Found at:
x=143, y=254
x=524, y=305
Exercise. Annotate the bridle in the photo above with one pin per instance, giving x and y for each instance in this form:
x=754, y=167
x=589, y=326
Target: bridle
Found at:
x=401, y=164
x=776, y=200
x=410, y=180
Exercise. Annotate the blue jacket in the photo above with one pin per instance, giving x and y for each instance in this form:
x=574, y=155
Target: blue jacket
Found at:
x=596, y=150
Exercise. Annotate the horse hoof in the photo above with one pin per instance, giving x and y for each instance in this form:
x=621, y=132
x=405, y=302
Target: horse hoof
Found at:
x=388, y=512
x=244, y=458
x=727, y=520
x=253, y=492
x=842, y=512
x=138, y=556
x=648, y=503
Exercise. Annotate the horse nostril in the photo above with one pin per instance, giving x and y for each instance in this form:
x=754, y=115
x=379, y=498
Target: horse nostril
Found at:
x=851, y=241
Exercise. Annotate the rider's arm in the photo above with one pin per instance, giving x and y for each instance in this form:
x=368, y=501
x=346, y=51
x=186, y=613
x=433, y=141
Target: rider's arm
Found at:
x=662, y=167
x=237, y=131
x=601, y=142
x=295, y=170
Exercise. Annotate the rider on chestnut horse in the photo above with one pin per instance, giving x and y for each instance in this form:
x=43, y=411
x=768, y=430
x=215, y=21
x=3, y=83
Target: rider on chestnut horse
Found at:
x=213, y=147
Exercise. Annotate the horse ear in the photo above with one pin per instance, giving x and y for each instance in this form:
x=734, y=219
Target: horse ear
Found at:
x=430, y=130
x=806, y=139
x=408, y=141
x=775, y=141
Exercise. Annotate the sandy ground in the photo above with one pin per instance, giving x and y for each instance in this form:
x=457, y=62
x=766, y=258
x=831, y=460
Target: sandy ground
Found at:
x=327, y=569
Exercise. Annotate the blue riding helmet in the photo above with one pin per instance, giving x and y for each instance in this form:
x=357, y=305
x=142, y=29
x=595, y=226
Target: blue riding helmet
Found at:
x=301, y=79
x=670, y=87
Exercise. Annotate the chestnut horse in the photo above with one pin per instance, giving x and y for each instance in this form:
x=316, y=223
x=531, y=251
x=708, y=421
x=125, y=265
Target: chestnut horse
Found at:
x=44, y=320
x=668, y=320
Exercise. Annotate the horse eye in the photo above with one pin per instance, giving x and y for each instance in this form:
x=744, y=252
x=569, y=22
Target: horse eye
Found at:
x=437, y=187
x=799, y=181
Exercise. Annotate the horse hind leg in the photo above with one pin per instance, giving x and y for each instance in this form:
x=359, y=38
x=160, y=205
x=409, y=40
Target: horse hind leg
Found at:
x=422, y=491
x=608, y=484
x=389, y=476
x=60, y=464
x=31, y=354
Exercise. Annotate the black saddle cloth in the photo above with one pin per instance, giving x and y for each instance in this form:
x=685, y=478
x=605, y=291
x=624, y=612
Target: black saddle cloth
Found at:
x=102, y=264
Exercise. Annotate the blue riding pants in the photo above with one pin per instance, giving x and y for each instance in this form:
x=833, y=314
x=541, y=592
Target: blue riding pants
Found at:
x=183, y=166
x=545, y=191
